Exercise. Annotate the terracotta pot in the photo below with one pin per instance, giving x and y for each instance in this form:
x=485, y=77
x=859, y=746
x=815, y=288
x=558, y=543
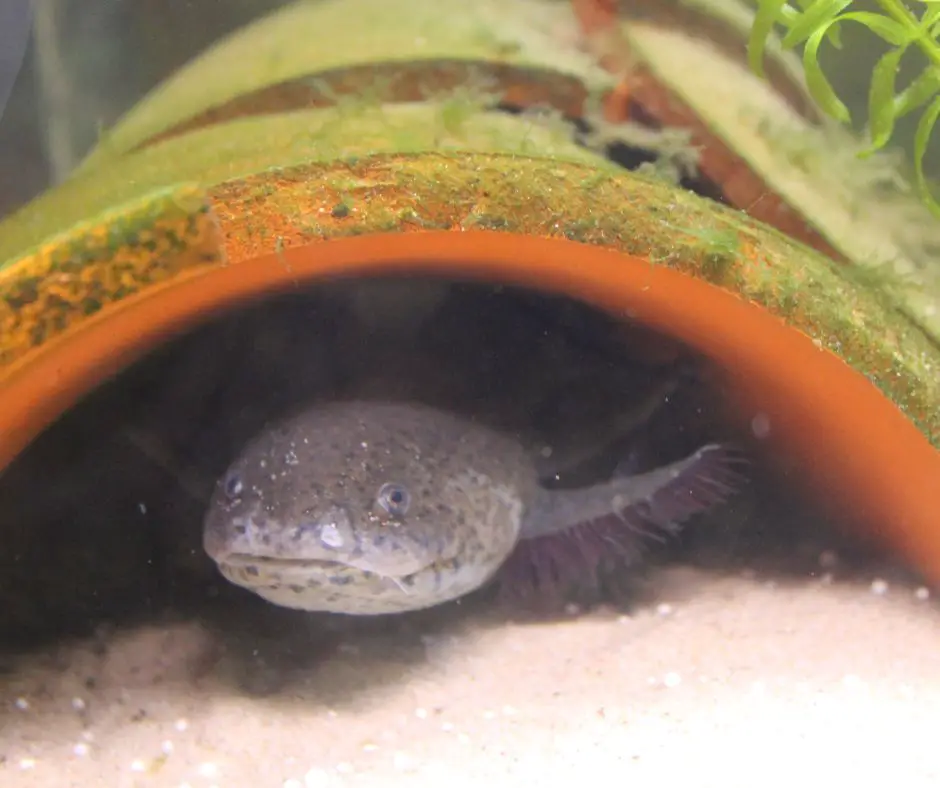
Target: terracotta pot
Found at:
x=152, y=237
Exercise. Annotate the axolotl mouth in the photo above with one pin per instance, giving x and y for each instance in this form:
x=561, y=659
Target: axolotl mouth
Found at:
x=325, y=563
x=318, y=585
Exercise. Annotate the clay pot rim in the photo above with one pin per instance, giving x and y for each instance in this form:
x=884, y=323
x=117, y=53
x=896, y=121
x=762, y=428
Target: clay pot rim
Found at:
x=856, y=444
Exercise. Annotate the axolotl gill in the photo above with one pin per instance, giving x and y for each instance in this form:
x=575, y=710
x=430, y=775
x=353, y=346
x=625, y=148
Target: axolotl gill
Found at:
x=366, y=508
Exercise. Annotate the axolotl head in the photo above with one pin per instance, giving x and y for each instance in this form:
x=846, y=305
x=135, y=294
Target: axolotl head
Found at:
x=369, y=508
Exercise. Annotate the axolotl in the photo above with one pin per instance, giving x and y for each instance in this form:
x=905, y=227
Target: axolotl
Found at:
x=369, y=508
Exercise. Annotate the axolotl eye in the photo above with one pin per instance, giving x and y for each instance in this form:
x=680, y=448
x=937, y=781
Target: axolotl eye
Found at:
x=233, y=486
x=394, y=498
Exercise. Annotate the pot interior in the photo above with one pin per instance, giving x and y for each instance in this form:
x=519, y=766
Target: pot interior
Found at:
x=104, y=510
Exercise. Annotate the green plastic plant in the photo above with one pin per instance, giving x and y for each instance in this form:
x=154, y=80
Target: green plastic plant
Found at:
x=902, y=26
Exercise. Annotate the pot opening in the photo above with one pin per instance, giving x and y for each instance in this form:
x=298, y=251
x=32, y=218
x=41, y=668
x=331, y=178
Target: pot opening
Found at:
x=104, y=510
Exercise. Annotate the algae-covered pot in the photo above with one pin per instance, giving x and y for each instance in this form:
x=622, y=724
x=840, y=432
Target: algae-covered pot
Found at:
x=311, y=146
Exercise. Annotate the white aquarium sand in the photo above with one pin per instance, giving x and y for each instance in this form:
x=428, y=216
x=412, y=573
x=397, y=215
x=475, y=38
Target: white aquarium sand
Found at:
x=718, y=681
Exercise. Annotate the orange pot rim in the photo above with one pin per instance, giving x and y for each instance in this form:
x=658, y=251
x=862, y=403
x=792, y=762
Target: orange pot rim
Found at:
x=851, y=442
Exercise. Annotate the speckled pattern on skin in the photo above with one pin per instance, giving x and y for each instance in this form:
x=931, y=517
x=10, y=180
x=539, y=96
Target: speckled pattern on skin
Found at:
x=376, y=507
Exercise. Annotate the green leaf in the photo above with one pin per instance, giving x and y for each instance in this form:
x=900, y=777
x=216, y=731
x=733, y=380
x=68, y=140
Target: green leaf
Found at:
x=817, y=17
x=918, y=93
x=788, y=15
x=881, y=107
x=921, y=139
x=766, y=16
x=930, y=17
x=816, y=81
x=883, y=27
x=834, y=33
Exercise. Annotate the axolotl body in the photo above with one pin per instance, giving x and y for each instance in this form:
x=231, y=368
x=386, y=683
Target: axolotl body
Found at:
x=370, y=508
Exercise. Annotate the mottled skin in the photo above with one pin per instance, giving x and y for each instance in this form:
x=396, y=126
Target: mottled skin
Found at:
x=371, y=508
